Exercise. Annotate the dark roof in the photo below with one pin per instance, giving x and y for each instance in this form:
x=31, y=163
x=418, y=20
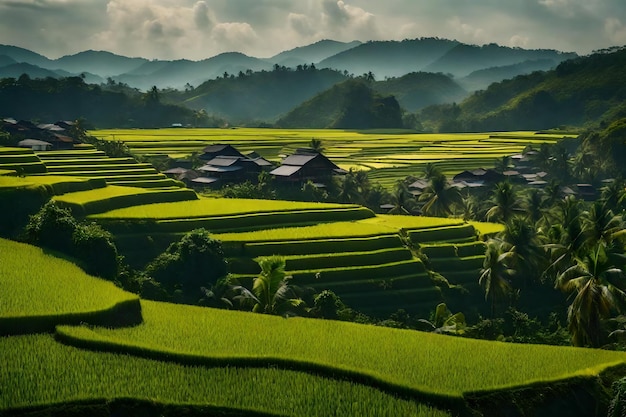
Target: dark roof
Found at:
x=420, y=184
x=262, y=162
x=299, y=160
x=224, y=161
x=215, y=148
x=51, y=127
x=286, y=170
x=213, y=168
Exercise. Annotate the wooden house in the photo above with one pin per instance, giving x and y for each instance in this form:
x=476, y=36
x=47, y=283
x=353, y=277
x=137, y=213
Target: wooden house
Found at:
x=302, y=167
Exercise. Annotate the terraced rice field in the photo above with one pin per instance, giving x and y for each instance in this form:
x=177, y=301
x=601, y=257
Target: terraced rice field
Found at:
x=39, y=290
x=387, y=155
x=441, y=365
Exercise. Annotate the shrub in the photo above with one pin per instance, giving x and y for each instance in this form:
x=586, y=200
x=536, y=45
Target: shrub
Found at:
x=195, y=261
x=52, y=227
x=95, y=248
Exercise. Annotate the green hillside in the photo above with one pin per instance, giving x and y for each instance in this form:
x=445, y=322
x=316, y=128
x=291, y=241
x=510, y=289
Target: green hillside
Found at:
x=350, y=105
x=577, y=92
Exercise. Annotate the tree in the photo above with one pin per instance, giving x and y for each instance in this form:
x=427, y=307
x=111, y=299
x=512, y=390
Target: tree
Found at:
x=495, y=275
x=196, y=261
x=527, y=256
x=316, y=145
x=402, y=200
x=598, y=288
x=439, y=197
x=271, y=288
x=505, y=203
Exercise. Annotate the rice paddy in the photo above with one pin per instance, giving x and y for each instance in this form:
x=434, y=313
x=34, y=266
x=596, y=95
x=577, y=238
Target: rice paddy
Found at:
x=387, y=155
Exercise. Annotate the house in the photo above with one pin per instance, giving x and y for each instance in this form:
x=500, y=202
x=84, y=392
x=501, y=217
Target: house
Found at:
x=35, y=145
x=216, y=150
x=234, y=168
x=479, y=175
x=309, y=166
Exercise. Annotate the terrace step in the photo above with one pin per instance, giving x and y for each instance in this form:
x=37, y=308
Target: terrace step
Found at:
x=313, y=246
x=448, y=250
x=25, y=168
x=88, y=161
x=458, y=234
x=158, y=183
x=442, y=265
x=468, y=276
x=369, y=272
x=82, y=153
x=247, y=265
x=403, y=282
x=104, y=167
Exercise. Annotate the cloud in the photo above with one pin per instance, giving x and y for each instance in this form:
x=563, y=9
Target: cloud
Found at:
x=615, y=30
x=201, y=15
x=348, y=22
x=234, y=34
x=300, y=24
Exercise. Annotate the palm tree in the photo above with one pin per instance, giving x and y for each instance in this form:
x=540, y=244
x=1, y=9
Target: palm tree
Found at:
x=614, y=195
x=505, y=203
x=316, y=145
x=600, y=224
x=271, y=288
x=349, y=189
x=527, y=255
x=403, y=202
x=496, y=274
x=599, y=290
x=439, y=197
x=534, y=205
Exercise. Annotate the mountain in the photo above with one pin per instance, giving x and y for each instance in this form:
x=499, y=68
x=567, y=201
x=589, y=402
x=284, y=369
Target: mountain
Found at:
x=577, y=92
x=481, y=79
x=390, y=58
x=351, y=104
x=464, y=59
x=24, y=55
x=263, y=95
x=102, y=63
x=176, y=74
x=33, y=71
x=313, y=53
x=421, y=89
x=6, y=60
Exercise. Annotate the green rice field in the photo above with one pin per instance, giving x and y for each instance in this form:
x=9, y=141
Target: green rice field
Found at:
x=423, y=362
x=387, y=155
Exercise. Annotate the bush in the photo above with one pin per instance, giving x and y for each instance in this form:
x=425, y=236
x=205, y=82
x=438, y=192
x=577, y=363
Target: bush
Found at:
x=95, y=248
x=196, y=261
x=52, y=227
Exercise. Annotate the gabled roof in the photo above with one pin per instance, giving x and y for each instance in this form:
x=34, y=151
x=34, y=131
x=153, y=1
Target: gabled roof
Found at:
x=224, y=161
x=286, y=170
x=27, y=143
x=205, y=180
x=213, y=168
x=299, y=160
x=262, y=162
x=176, y=171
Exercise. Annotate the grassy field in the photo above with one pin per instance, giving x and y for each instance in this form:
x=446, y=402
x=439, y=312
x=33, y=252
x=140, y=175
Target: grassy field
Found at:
x=424, y=362
x=41, y=290
x=36, y=370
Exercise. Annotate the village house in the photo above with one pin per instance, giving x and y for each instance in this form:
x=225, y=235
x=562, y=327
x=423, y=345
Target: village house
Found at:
x=306, y=166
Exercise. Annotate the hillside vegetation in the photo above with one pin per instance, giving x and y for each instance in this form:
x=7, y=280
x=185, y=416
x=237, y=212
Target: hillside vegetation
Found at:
x=577, y=92
x=349, y=105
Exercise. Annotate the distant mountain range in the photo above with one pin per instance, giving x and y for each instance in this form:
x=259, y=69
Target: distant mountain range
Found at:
x=383, y=59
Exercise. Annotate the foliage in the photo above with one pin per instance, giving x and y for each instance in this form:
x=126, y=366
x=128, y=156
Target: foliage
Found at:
x=55, y=228
x=274, y=294
x=196, y=260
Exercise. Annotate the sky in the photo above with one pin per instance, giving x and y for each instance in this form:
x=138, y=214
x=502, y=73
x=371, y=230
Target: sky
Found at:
x=199, y=29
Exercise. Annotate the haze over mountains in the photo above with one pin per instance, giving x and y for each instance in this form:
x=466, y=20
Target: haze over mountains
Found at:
x=382, y=58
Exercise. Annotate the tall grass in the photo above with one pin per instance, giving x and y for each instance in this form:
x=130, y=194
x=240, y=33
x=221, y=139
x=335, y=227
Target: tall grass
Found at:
x=35, y=370
x=37, y=285
x=431, y=363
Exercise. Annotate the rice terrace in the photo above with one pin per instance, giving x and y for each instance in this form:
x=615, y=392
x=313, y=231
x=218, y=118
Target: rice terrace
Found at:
x=420, y=227
x=92, y=347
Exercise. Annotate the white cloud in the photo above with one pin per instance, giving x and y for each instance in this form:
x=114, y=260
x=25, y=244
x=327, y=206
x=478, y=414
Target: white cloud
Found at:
x=615, y=30
x=519, y=41
x=347, y=21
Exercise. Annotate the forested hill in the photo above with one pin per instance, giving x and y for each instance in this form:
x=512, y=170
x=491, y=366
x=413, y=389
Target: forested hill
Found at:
x=267, y=95
x=263, y=95
x=578, y=92
x=348, y=105
x=51, y=99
